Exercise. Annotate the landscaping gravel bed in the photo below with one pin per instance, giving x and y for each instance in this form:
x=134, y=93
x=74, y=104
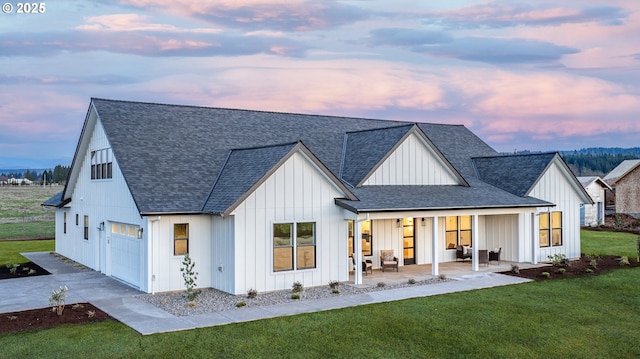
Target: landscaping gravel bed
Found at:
x=213, y=300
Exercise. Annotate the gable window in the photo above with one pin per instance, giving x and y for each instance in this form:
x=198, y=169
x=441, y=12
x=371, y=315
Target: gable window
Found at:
x=294, y=246
x=365, y=228
x=86, y=227
x=550, y=229
x=458, y=231
x=180, y=238
x=101, y=164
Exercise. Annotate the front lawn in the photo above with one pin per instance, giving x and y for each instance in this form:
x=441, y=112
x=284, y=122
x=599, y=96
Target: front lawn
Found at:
x=590, y=317
x=10, y=250
x=608, y=243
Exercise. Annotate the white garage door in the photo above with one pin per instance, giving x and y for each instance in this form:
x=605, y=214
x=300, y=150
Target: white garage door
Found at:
x=125, y=253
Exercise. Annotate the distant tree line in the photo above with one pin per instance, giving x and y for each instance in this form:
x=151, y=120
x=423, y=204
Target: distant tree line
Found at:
x=595, y=161
x=56, y=175
x=598, y=161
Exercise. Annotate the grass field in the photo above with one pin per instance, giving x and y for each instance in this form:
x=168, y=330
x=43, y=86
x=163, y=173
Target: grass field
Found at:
x=601, y=243
x=10, y=250
x=24, y=202
x=21, y=212
x=591, y=317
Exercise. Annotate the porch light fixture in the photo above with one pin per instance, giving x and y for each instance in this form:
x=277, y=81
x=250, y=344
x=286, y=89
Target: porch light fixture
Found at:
x=398, y=223
x=140, y=230
x=423, y=222
x=101, y=226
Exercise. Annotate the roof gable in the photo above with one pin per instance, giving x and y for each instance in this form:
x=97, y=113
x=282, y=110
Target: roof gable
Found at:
x=624, y=168
x=246, y=169
x=414, y=160
x=587, y=181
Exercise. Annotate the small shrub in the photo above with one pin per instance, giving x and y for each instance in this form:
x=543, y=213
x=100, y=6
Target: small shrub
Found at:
x=617, y=221
x=12, y=317
x=190, y=277
x=624, y=261
x=31, y=271
x=515, y=269
x=335, y=291
x=334, y=284
x=562, y=271
x=241, y=304
x=411, y=281
x=381, y=284
x=57, y=299
x=546, y=274
x=589, y=270
x=13, y=268
x=559, y=260
x=593, y=263
x=442, y=276
x=252, y=293
x=191, y=304
x=295, y=296
x=77, y=305
x=91, y=313
x=297, y=287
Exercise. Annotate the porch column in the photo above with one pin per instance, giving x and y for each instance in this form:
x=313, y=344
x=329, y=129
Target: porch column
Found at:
x=357, y=249
x=434, y=246
x=535, y=237
x=474, y=242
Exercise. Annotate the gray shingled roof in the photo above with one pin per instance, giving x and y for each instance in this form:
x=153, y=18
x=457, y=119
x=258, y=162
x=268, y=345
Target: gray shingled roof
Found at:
x=365, y=149
x=407, y=198
x=158, y=146
x=514, y=173
x=243, y=169
x=621, y=170
x=54, y=201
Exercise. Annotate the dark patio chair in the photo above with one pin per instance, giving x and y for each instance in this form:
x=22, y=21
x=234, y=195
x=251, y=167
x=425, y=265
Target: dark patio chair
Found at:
x=367, y=265
x=495, y=256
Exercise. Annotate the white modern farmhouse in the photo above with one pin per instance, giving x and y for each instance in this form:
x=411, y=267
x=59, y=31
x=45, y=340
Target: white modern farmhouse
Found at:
x=261, y=199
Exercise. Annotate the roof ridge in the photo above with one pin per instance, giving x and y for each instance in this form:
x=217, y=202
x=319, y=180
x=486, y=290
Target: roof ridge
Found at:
x=266, y=146
x=247, y=110
x=517, y=155
x=404, y=124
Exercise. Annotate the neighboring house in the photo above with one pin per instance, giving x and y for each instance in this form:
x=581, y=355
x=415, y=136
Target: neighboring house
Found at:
x=625, y=181
x=20, y=181
x=593, y=214
x=278, y=197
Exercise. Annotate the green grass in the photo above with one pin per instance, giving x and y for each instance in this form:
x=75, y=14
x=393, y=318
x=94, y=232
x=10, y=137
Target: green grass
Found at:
x=591, y=317
x=20, y=202
x=27, y=229
x=10, y=250
x=608, y=243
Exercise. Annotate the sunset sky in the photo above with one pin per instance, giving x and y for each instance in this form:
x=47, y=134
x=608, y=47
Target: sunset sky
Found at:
x=523, y=75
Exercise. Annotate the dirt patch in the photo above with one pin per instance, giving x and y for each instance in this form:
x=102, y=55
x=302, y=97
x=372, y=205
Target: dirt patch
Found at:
x=619, y=222
x=585, y=266
x=44, y=318
x=30, y=269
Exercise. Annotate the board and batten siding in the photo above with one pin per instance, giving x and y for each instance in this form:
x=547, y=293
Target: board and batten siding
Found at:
x=412, y=163
x=554, y=187
x=296, y=192
x=104, y=200
x=166, y=268
x=596, y=191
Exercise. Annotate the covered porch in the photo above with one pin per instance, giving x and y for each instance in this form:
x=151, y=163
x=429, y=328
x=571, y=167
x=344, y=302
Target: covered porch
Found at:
x=421, y=272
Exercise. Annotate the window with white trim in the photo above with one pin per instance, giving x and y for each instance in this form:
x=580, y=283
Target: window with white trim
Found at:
x=458, y=231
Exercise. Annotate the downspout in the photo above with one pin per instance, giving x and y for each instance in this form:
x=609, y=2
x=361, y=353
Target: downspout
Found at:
x=152, y=234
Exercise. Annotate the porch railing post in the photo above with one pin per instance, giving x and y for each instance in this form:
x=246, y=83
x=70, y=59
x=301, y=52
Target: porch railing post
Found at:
x=434, y=245
x=474, y=241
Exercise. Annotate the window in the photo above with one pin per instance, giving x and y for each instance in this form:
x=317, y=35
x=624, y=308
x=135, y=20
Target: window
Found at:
x=365, y=228
x=294, y=246
x=101, y=164
x=180, y=239
x=64, y=222
x=550, y=229
x=458, y=231
x=129, y=230
x=77, y=223
x=86, y=227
